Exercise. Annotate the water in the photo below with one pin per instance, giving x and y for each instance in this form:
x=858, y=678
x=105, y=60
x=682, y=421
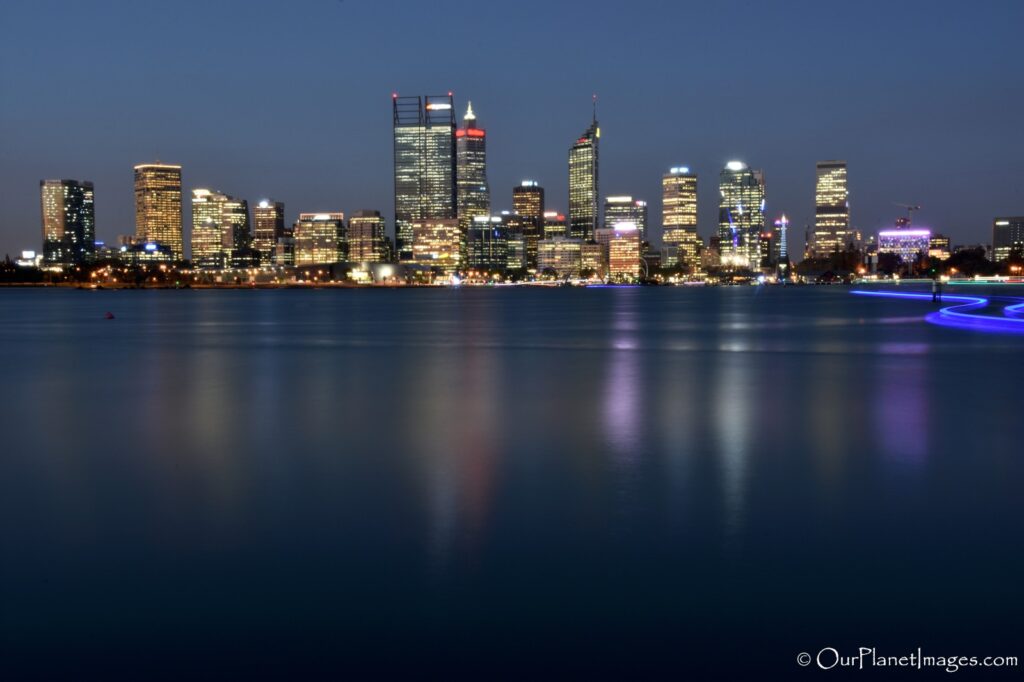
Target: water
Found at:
x=506, y=482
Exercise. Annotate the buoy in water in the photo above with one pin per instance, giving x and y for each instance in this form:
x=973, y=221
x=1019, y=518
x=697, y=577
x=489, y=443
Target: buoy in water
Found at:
x=108, y=315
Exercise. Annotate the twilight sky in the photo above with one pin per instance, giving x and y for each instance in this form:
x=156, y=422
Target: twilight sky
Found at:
x=291, y=100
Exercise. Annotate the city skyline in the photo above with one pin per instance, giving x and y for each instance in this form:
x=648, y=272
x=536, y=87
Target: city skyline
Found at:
x=339, y=160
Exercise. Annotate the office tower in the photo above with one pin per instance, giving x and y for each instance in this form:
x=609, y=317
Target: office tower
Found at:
x=158, y=206
x=69, y=221
x=474, y=194
x=366, y=237
x=583, y=183
x=236, y=234
x=425, y=166
x=559, y=257
x=1007, y=237
x=318, y=238
x=624, y=252
x=438, y=244
x=487, y=244
x=268, y=219
x=780, y=253
x=740, y=216
x=832, y=209
x=679, y=217
x=554, y=224
x=625, y=209
x=938, y=247
x=592, y=259
x=528, y=204
x=220, y=230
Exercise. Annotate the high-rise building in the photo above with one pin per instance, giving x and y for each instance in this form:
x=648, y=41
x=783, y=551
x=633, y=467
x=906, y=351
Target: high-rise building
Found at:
x=626, y=209
x=366, y=237
x=679, y=217
x=319, y=238
x=69, y=221
x=158, y=206
x=1007, y=237
x=832, y=209
x=583, y=183
x=425, y=166
x=624, y=252
x=474, y=193
x=938, y=247
x=236, y=233
x=220, y=230
x=554, y=224
x=438, y=244
x=740, y=216
x=268, y=219
x=780, y=244
x=487, y=244
x=528, y=204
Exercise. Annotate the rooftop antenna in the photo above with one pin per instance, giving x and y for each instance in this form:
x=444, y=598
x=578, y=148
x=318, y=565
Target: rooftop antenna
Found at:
x=595, y=107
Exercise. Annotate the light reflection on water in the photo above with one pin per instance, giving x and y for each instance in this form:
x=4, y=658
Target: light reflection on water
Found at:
x=588, y=466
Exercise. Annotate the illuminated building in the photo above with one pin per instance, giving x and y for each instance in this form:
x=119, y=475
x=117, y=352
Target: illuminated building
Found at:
x=832, y=209
x=780, y=252
x=559, y=255
x=474, y=194
x=318, y=238
x=236, y=234
x=158, y=206
x=1007, y=237
x=487, y=244
x=624, y=251
x=437, y=244
x=528, y=204
x=366, y=237
x=583, y=183
x=907, y=243
x=268, y=219
x=679, y=217
x=425, y=166
x=624, y=209
x=284, y=250
x=141, y=252
x=740, y=216
x=765, y=247
x=592, y=258
x=68, y=220
x=554, y=224
x=938, y=247
x=220, y=229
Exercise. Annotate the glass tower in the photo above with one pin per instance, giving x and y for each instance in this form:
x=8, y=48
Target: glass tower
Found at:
x=832, y=209
x=583, y=183
x=474, y=194
x=158, y=206
x=425, y=165
x=679, y=217
x=268, y=220
x=740, y=216
x=69, y=221
x=528, y=205
x=1007, y=237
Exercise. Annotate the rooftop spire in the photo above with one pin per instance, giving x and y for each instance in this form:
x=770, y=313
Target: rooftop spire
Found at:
x=470, y=116
x=595, y=107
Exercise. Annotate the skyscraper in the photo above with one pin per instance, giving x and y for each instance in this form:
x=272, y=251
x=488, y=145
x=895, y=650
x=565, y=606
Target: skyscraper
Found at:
x=528, y=204
x=1007, y=237
x=740, y=215
x=220, y=229
x=832, y=209
x=366, y=237
x=158, y=205
x=487, y=244
x=268, y=219
x=679, y=217
x=474, y=194
x=626, y=209
x=780, y=241
x=68, y=220
x=583, y=182
x=319, y=238
x=425, y=165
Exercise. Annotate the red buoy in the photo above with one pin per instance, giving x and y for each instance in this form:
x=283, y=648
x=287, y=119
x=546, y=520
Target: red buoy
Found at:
x=109, y=315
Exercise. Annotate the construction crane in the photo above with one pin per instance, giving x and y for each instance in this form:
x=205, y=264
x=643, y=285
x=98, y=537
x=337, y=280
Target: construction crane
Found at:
x=910, y=208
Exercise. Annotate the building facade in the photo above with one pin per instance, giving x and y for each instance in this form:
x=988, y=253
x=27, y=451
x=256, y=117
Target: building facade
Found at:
x=425, y=166
x=679, y=218
x=1007, y=237
x=366, y=237
x=831, y=209
x=68, y=221
x=474, y=193
x=437, y=244
x=268, y=223
x=319, y=238
x=559, y=256
x=158, y=206
x=487, y=244
x=908, y=243
x=740, y=216
x=584, y=186
x=626, y=209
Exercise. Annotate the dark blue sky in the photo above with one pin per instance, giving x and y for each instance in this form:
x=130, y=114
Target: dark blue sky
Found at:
x=291, y=100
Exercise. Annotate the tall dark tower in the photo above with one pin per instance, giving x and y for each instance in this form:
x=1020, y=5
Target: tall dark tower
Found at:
x=583, y=182
x=474, y=194
x=425, y=169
